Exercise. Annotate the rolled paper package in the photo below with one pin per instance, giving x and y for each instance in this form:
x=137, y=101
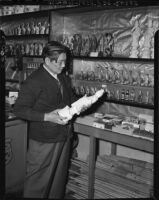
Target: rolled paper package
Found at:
x=76, y=107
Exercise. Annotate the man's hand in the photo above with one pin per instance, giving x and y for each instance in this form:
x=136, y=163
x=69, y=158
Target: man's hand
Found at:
x=55, y=117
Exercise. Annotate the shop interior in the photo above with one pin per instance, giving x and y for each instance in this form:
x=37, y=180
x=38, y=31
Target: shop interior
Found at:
x=112, y=48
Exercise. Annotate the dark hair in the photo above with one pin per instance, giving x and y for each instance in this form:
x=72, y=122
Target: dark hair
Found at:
x=53, y=49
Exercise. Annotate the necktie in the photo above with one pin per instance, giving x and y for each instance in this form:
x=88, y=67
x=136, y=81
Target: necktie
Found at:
x=60, y=87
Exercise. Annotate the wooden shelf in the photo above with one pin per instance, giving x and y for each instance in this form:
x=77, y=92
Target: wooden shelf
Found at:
x=12, y=80
x=110, y=58
x=30, y=37
x=20, y=16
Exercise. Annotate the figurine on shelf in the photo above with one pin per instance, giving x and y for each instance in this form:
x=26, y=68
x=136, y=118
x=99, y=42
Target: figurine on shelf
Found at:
x=40, y=48
x=42, y=28
x=19, y=31
x=31, y=49
x=27, y=49
x=15, y=31
x=22, y=49
x=36, y=28
x=28, y=29
x=23, y=30
x=136, y=32
x=147, y=40
x=32, y=28
x=36, y=49
x=47, y=28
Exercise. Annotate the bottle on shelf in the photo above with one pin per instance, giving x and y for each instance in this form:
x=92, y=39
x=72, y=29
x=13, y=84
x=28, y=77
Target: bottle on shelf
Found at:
x=140, y=97
x=127, y=95
x=123, y=94
x=132, y=95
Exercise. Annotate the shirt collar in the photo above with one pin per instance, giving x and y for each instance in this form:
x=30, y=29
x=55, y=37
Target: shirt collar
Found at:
x=52, y=74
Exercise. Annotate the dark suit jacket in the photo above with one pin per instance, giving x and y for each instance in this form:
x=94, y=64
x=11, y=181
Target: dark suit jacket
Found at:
x=39, y=94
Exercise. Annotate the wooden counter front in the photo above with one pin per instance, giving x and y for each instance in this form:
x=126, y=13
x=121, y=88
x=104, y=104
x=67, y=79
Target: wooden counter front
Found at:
x=15, y=154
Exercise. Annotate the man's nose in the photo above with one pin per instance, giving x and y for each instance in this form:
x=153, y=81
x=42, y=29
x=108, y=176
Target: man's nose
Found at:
x=63, y=64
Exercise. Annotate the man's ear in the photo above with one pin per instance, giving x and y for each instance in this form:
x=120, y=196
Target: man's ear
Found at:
x=47, y=61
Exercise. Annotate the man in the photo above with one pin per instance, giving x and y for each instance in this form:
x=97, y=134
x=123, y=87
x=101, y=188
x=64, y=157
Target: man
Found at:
x=42, y=95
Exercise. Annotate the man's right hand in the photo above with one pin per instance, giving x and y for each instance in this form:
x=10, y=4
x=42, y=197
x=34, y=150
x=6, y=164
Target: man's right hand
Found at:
x=55, y=117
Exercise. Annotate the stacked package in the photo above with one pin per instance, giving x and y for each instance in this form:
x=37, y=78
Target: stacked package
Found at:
x=115, y=177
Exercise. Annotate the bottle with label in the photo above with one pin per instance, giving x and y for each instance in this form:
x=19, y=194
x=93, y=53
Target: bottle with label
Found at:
x=147, y=97
x=132, y=95
x=127, y=95
x=117, y=95
x=123, y=94
x=140, y=96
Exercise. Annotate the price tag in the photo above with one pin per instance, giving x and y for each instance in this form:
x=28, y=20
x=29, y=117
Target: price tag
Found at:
x=93, y=54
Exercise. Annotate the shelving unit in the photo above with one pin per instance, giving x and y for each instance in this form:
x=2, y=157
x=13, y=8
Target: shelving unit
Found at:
x=84, y=24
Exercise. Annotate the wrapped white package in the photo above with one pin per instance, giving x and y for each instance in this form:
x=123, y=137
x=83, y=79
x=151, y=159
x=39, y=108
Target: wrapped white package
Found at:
x=82, y=103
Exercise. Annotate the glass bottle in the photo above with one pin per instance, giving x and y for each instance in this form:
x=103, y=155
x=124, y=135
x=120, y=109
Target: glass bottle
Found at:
x=140, y=96
x=127, y=95
x=132, y=95
x=123, y=94
x=147, y=97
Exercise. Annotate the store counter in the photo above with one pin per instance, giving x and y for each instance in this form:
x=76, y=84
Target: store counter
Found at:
x=15, y=154
x=83, y=125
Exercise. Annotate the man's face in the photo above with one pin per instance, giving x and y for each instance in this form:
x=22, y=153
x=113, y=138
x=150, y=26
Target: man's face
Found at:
x=57, y=67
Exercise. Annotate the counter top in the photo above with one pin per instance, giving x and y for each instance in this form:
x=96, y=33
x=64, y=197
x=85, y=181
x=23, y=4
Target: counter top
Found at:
x=84, y=125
